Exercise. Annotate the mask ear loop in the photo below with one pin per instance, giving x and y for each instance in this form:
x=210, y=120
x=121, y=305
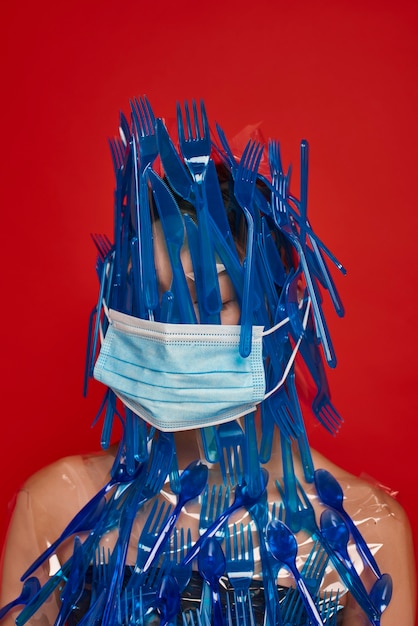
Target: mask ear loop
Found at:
x=107, y=314
x=295, y=349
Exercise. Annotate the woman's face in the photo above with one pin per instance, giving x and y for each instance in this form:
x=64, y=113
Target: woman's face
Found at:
x=230, y=313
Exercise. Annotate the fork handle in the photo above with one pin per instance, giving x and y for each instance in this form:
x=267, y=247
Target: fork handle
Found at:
x=212, y=297
x=307, y=598
x=247, y=295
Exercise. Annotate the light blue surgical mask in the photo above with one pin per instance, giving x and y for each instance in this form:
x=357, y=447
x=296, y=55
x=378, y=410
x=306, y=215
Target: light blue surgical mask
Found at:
x=183, y=376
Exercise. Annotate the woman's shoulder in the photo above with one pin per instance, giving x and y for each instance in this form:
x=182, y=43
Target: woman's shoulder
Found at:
x=372, y=505
x=77, y=477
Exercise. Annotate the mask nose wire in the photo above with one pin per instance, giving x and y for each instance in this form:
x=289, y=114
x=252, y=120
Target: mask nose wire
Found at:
x=294, y=352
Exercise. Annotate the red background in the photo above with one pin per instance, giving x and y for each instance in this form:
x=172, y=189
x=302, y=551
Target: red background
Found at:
x=341, y=74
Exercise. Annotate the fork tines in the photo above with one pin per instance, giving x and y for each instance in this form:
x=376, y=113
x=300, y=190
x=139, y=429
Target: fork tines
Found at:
x=194, y=130
x=143, y=116
x=239, y=557
x=212, y=506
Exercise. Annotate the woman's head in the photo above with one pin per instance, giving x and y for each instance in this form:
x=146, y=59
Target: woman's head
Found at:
x=181, y=246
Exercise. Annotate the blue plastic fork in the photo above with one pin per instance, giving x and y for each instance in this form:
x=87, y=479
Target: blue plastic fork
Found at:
x=240, y=568
x=323, y=409
x=231, y=443
x=117, y=151
x=312, y=572
x=231, y=163
x=144, y=123
x=106, y=522
x=213, y=502
x=329, y=608
x=278, y=202
x=195, y=146
x=101, y=572
x=179, y=547
x=288, y=214
x=244, y=188
x=156, y=519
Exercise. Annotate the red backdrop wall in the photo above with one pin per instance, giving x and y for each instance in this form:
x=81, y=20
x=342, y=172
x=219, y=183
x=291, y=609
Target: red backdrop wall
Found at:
x=341, y=74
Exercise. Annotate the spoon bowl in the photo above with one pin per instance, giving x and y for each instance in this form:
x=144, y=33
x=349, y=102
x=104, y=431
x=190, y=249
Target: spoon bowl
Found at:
x=193, y=480
x=30, y=588
x=335, y=531
x=381, y=592
x=281, y=541
x=328, y=489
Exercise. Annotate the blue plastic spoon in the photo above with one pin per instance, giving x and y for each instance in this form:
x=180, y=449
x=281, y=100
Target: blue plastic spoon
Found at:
x=192, y=482
x=284, y=547
x=30, y=588
x=381, y=594
x=211, y=563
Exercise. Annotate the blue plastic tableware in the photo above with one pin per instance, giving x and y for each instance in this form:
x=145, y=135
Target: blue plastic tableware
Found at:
x=30, y=588
x=147, y=485
x=174, y=229
x=260, y=514
x=242, y=498
x=278, y=201
x=244, y=189
x=381, y=594
x=168, y=599
x=195, y=146
x=284, y=547
x=74, y=585
x=331, y=494
x=83, y=521
x=173, y=165
x=335, y=532
x=192, y=482
x=211, y=563
x=194, y=249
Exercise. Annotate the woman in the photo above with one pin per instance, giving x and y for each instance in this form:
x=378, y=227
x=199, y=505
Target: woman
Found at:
x=209, y=303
